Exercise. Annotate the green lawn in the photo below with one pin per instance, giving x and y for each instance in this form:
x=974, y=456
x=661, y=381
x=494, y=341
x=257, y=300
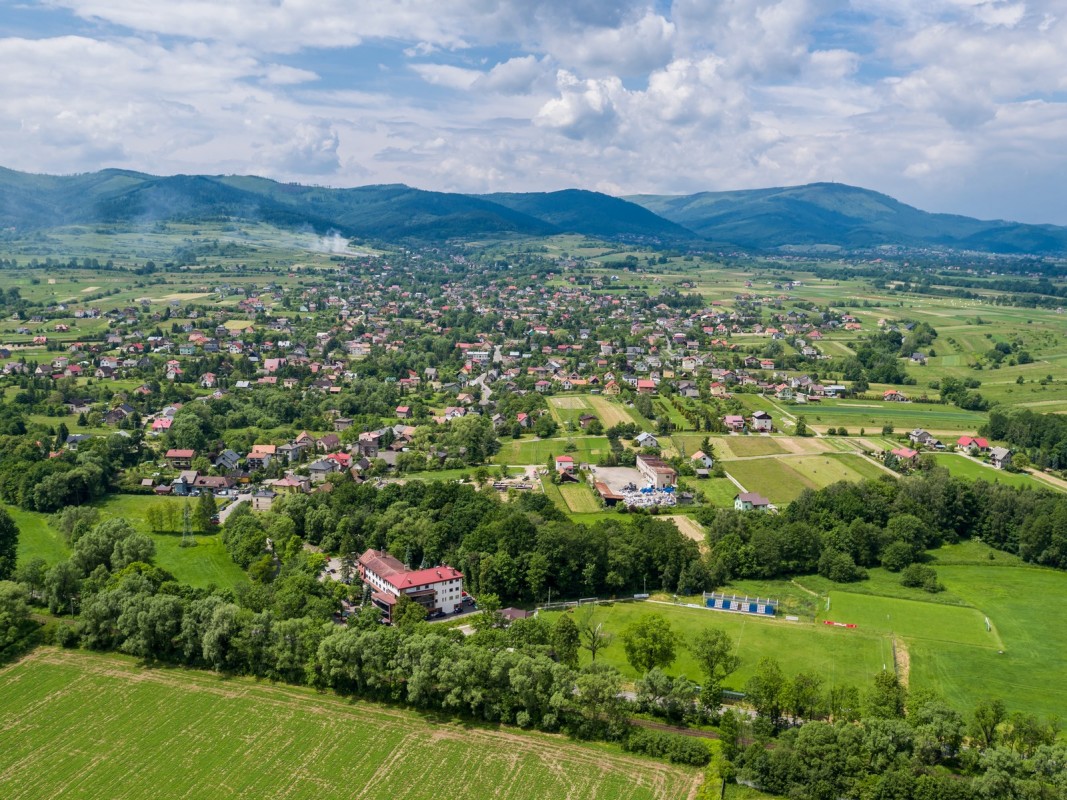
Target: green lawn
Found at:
x=579, y=498
x=206, y=564
x=76, y=722
x=537, y=451
x=841, y=656
x=963, y=467
x=718, y=492
x=872, y=415
x=773, y=478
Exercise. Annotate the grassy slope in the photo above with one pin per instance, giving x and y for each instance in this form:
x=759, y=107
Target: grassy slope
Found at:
x=77, y=721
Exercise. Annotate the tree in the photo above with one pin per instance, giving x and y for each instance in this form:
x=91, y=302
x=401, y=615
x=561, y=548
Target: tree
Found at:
x=407, y=613
x=566, y=641
x=804, y=695
x=713, y=649
x=802, y=426
x=592, y=634
x=31, y=574
x=765, y=690
x=9, y=542
x=14, y=614
x=988, y=715
x=649, y=642
x=206, y=509
x=62, y=585
x=887, y=697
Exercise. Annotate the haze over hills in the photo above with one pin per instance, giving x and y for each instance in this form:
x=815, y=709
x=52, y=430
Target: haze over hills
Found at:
x=815, y=215
x=842, y=216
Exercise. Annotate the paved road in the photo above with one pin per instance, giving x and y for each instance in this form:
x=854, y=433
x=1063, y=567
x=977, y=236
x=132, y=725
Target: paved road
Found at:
x=241, y=498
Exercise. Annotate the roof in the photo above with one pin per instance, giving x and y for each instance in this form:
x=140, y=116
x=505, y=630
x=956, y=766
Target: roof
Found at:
x=754, y=498
x=967, y=441
x=180, y=453
x=567, y=459
x=380, y=563
x=905, y=452
x=999, y=452
x=422, y=577
x=384, y=597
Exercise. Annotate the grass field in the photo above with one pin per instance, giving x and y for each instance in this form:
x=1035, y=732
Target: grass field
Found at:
x=579, y=498
x=717, y=491
x=781, y=479
x=871, y=416
x=75, y=723
x=206, y=564
x=610, y=412
x=537, y=451
x=851, y=657
x=963, y=467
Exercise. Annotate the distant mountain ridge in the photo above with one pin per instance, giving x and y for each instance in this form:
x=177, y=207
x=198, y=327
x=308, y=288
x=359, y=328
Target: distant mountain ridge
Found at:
x=810, y=216
x=841, y=216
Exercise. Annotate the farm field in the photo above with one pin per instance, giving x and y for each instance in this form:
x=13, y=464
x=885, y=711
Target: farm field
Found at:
x=568, y=408
x=871, y=416
x=717, y=491
x=77, y=721
x=773, y=478
x=610, y=412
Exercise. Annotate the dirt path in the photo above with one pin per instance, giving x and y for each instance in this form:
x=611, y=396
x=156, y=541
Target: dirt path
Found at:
x=689, y=527
x=903, y=661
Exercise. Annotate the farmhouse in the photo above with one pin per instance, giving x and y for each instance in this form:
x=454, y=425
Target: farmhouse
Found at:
x=564, y=464
x=906, y=454
x=750, y=501
x=180, y=459
x=658, y=472
x=702, y=459
x=892, y=395
x=761, y=421
x=437, y=589
x=733, y=422
x=1000, y=457
x=972, y=444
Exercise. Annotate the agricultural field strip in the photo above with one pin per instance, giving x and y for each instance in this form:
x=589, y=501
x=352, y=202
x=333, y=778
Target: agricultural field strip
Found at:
x=562, y=758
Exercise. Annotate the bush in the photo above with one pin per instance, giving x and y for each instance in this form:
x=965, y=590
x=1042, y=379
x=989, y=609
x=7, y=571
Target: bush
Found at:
x=920, y=576
x=672, y=747
x=839, y=567
x=897, y=556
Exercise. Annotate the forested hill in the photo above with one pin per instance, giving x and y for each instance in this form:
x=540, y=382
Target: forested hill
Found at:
x=812, y=216
x=382, y=213
x=842, y=216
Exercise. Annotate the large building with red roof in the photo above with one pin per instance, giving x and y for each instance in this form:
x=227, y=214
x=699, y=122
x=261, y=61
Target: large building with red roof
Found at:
x=437, y=589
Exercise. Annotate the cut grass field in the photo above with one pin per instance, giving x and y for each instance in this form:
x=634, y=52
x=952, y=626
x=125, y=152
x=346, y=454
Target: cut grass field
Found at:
x=963, y=467
x=579, y=498
x=537, y=451
x=75, y=722
x=872, y=415
x=842, y=657
x=611, y=413
x=782, y=479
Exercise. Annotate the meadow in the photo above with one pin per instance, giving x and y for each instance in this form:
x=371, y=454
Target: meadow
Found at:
x=204, y=565
x=537, y=451
x=781, y=479
x=75, y=723
x=963, y=467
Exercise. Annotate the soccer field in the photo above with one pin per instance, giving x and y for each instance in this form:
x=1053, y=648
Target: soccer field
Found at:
x=75, y=724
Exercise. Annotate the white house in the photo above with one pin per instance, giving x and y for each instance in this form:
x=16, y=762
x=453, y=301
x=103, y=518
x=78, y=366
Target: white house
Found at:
x=437, y=589
x=761, y=421
x=750, y=501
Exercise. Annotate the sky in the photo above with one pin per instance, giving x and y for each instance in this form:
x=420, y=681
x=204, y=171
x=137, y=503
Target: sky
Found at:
x=957, y=106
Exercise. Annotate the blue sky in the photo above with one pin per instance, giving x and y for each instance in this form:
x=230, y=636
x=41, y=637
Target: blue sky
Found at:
x=951, y=105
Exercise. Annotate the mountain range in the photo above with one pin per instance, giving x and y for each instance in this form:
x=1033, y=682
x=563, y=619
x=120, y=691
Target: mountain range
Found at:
x=817, y=215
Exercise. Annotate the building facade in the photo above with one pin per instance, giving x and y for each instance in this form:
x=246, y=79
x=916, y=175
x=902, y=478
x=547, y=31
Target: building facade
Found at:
x=437, y=589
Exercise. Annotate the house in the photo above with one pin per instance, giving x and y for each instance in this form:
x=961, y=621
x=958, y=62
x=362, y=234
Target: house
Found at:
x=564, y=464
x=925, y=438
x=321, y=468
x=185, y=481
x=329, y=442
x=263, y=500
x=644, y=439
x=702, y=459
x=1000, y=457
x=213, y=483
x=646, y=386
x=342, y=424
x=403, y=412
x=893, y=396
x=761, y=421
x=733, y=422
x=972, y=444
x=656, y=471
x=438, y=589
x=751, y=501
x=906, y=454
x=180, y=459
x=75, y=439
x=227, y=460
x=260, y=456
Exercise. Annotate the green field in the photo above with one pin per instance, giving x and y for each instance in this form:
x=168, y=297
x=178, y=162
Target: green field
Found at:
x=840, y=656
x=963, y=467
x=537, y=451
x=579, y=498
x=204, y=565
x=872, y=415
x=781, y=479
x=94, y=726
